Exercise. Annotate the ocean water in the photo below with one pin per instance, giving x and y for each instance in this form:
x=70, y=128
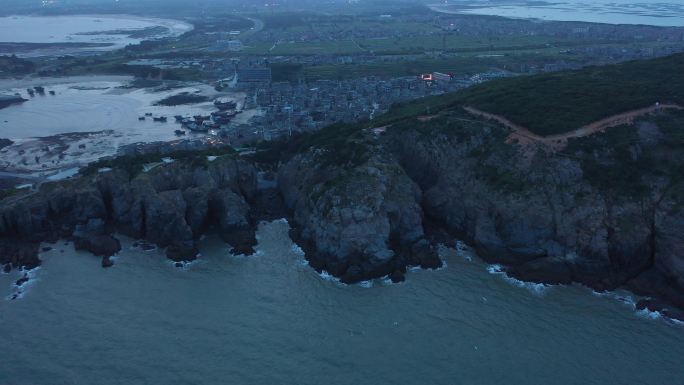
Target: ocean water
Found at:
x=95, y=103
x=270, y=319
x=91, y=117
x=83, y=29
x=647, y=12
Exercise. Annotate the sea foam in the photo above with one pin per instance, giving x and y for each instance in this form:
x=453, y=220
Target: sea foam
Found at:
x=19, y=292
x=536, y=288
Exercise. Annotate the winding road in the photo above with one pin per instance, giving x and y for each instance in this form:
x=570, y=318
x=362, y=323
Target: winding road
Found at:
x=525, y=137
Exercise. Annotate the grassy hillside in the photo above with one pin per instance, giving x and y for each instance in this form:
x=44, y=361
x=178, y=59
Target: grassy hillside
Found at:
x=547, y=104
x=560, y=102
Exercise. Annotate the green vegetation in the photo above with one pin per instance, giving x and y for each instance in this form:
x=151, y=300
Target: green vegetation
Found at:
x=445, y=43
x=116, y=65
x=452, y=124
x=560, y=102
x=12, y=192
x=12, y=65
x=339, y=144
x=286, y=72
x=609, y=163
x=459, y=65
x=620, y=160
x=133, y=165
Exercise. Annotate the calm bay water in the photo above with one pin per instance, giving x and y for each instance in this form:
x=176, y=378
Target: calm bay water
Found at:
x=100, y=29
x=648, y=12
x=270, y=319
x=94, y=103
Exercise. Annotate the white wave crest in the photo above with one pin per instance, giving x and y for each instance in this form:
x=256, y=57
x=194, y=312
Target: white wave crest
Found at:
x=463, y=251
x=536, y=288
x=19, y=292
x=328, y=277
x=296, y=249
x=645, y=313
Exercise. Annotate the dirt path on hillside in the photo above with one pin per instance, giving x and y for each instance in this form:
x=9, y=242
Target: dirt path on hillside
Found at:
x=526, y=138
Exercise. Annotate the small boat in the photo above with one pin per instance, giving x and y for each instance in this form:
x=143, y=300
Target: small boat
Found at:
x=194, y=127
x=159, y=119
x=208, y=125
x=52, y=93
x=148, y=114
x=223, y=117
x=200, y=118
x=40, y=90
x=31, y=92
x=179, y=132
x=141, y=118
x=223, y=104
x=179, y=118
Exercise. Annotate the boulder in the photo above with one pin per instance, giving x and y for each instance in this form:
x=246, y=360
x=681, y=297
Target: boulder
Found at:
x=21, y=281
x=181, y=253
x=107, y=262
x=99, y=245
x=19, y=254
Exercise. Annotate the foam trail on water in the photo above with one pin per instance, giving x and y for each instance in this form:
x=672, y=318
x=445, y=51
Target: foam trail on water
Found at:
x=20, y=291
x=297, y=250
x=463, y=251
x=328, y=277
x=536, y=288
x=645, y=313
x=631, y=302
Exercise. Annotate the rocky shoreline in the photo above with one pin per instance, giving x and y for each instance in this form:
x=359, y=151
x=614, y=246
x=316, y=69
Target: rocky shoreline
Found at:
x=364, y=205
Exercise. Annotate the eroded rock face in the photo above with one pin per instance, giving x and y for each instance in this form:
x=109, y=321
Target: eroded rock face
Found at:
x=15, y=254
x=99, y=245
x=170, y=206
x=539, y=215
x=355, y=222
x=372, y=215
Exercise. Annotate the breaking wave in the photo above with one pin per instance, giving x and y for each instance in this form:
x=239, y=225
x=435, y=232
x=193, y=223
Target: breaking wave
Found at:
x=536, y=288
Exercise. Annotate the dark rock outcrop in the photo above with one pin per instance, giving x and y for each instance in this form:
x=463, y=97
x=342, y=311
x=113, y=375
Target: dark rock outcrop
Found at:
x=99, y=245
x=369, y=206
x=107, y=262
x=21, y=281
x=5, y=143
x=541, y=215
x=170, y=206
x=356, y=220
x=18, y=254
x=8, y=100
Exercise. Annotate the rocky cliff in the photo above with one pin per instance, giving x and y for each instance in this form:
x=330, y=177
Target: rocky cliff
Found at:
x=606, y=211
x=170, y=205
x=356, y=211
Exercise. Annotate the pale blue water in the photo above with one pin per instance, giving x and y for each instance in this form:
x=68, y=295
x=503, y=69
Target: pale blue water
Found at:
x=80, y=29
x=648, y=12
x=270, y=319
